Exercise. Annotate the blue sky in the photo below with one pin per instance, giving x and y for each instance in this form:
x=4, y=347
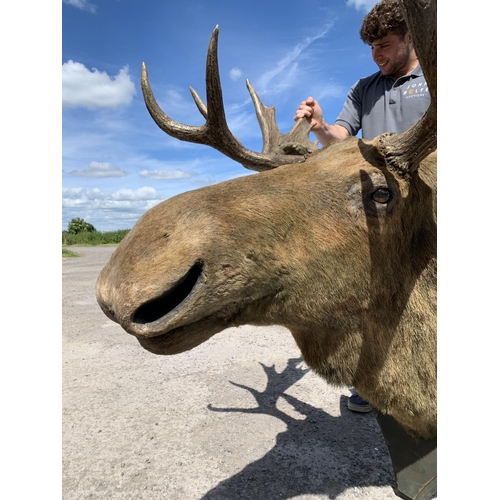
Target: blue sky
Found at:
x=116, y=163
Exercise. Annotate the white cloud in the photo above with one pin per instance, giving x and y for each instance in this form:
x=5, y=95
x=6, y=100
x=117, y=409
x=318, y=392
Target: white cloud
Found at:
x=96, y=197
x=287, y=63
x=145, y=193
x=72, y=193
x=99, y=170
x=364, y=5
x=82, y=5
x=90, y=203
x=235, y=74
x=238, y=122
x=94, y=89
x=107, y=210
x=165, y=174
x=330, y=90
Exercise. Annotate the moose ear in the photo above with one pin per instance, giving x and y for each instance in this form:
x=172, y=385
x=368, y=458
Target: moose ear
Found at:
x=384, y=145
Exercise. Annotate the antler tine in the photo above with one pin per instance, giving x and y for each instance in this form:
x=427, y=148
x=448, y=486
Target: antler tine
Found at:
x=215, y=103
x=272, y=138
x=265, y=117
x=215, y=132
x=405, y=151
x=199, y=103
x=169, y=126
x=223, y=139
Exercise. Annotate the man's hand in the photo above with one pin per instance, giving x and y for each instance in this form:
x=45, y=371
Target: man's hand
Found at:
x=311, y=111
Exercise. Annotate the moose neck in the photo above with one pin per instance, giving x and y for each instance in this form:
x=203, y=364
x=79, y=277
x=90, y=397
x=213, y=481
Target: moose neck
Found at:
x=381, y=340
x=382, y=354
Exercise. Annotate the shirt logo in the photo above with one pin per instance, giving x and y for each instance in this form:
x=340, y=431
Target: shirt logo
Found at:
x=415, y=90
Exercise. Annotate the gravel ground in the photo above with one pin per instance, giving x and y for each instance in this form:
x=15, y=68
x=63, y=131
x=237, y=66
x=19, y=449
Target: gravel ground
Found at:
x=239, y=417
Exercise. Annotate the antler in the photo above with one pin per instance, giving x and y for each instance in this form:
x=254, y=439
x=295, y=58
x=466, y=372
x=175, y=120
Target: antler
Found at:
x=278, y=149
x=405, y=151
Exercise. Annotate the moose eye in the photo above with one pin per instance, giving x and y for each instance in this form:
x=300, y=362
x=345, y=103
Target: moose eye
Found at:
x=381, y=195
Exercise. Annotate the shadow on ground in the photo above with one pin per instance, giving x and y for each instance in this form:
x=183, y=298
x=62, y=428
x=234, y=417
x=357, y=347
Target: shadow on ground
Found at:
x=329, y=454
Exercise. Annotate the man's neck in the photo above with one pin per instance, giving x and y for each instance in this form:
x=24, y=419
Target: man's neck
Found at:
x=408, y=68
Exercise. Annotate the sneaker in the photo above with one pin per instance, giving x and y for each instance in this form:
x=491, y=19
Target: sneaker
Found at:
x=358, y=404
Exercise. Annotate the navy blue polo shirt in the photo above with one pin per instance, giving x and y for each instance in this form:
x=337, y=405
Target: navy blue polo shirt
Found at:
x=378, y=104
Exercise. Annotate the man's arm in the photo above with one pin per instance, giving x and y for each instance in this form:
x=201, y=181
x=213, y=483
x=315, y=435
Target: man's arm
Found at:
x=311, y=110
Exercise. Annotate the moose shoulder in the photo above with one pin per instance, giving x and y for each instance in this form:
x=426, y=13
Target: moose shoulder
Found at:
x=338, y=245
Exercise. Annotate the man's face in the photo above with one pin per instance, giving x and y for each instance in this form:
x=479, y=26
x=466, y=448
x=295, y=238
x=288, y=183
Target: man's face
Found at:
x=392, y=54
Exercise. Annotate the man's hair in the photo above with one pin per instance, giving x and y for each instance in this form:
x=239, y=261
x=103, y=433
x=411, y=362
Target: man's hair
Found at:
x=386, y=17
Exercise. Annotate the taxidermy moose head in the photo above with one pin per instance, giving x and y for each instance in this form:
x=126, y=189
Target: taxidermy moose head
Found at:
x=337, y=244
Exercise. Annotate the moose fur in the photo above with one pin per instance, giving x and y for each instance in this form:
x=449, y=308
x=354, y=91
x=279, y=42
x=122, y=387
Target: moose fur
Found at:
x=339, y=249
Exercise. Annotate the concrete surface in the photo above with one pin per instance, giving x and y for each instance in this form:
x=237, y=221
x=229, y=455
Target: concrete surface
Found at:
x=239, y=417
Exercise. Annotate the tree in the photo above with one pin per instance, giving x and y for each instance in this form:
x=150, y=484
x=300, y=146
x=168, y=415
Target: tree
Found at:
x=78, y=225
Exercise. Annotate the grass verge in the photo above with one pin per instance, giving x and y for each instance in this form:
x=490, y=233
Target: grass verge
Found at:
x=69, y=253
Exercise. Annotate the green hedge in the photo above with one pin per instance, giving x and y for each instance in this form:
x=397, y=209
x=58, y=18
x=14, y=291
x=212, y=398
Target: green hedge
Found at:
x=94, y=237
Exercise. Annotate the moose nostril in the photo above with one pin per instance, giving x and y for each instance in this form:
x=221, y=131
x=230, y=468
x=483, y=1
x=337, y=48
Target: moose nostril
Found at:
x=157, y=308
x=107, y=310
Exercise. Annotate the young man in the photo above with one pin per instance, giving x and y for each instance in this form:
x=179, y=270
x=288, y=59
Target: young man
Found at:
x=391, y=100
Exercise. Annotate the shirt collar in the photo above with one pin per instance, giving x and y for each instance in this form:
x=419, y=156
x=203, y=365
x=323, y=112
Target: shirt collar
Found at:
x=415, y=73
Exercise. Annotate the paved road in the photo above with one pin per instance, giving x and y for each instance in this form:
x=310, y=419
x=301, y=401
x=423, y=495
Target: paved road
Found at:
x=239, y=417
